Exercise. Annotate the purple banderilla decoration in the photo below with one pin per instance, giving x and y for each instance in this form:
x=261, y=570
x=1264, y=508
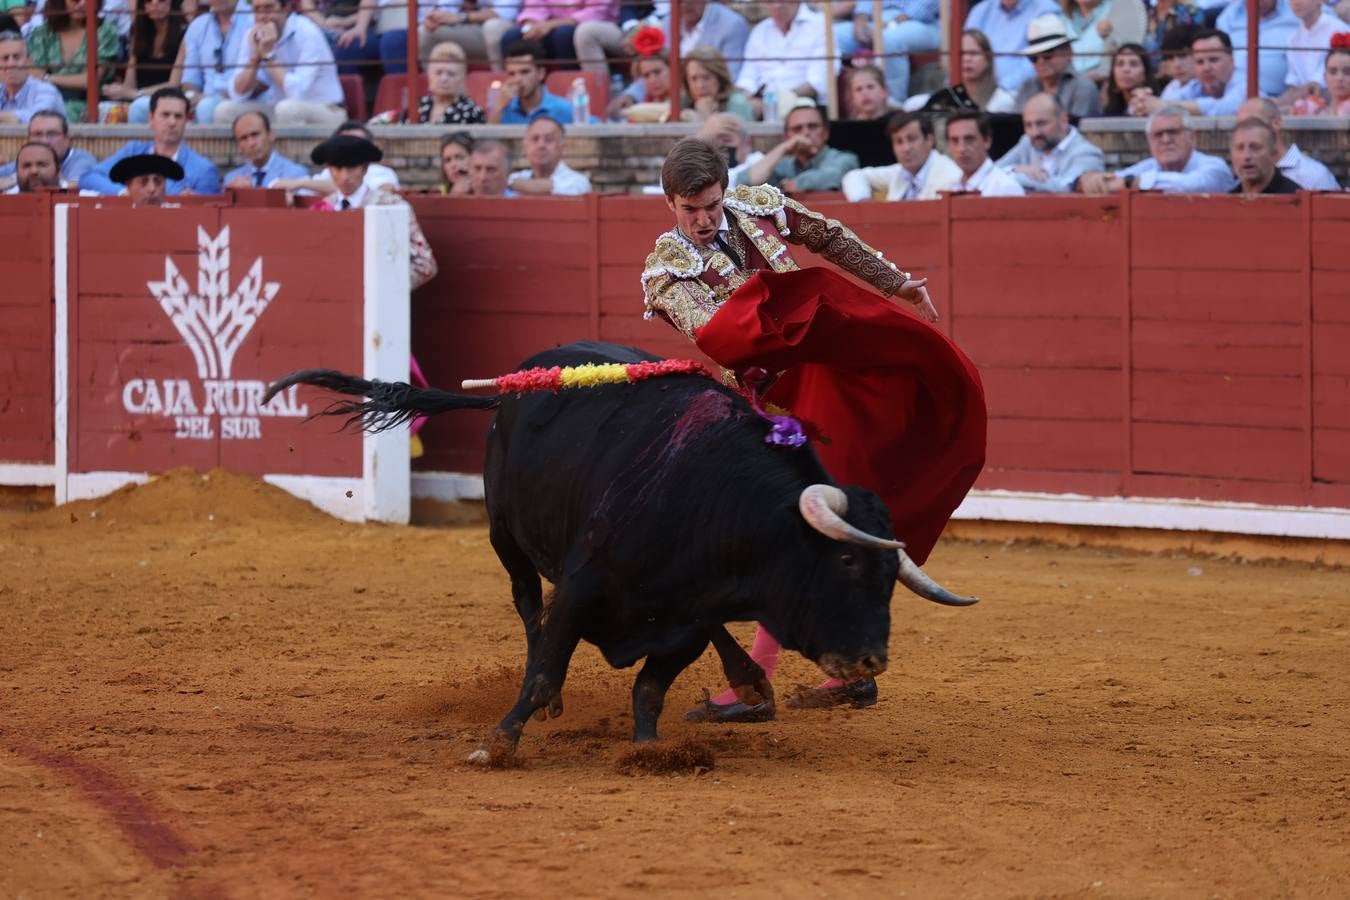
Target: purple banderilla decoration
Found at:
x=786, y=431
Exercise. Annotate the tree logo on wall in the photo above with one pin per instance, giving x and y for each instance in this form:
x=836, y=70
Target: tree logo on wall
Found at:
x=214, y=321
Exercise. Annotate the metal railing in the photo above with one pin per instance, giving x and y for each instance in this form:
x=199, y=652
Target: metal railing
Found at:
x=953, y=13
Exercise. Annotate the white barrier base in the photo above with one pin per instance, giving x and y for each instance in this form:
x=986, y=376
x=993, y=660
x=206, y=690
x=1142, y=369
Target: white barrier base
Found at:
x=447, y=487
x=1057, y=509
x=331, y=496
x=1168, y=514
x=27, y=474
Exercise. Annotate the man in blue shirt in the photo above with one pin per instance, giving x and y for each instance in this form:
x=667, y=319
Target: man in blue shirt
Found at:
x=1173, y=167
x=524, y=97
x=50, y=127
x=285, y=65
x=22, y=95
x=168, y=119
x=254, y=138
x=1005, y=23
x=1214, y=91
x=909, y=26
x=1276, y=25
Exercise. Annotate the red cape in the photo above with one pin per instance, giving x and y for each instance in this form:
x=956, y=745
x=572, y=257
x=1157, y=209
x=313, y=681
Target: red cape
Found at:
x=902, y=408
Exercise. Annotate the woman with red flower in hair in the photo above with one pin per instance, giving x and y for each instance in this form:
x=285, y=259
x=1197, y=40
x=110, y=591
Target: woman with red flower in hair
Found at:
x=650, y=78
x=1334, y=100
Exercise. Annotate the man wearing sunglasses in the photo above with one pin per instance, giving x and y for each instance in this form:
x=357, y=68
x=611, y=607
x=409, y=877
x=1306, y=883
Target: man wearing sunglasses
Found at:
x=1049, y=47
x=210, y=44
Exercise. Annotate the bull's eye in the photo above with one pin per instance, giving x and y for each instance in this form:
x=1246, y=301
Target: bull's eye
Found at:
x=847, y=558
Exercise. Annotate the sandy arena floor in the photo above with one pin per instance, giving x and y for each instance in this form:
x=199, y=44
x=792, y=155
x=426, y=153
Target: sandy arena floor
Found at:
x=208, y=689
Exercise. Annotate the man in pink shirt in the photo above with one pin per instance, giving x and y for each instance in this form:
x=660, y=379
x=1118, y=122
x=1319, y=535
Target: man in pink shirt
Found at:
x=552, y=23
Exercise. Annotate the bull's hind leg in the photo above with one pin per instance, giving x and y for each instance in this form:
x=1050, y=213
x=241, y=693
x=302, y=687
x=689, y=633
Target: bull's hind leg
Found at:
x=528, y=596
x=649, y=690
x=545, y=670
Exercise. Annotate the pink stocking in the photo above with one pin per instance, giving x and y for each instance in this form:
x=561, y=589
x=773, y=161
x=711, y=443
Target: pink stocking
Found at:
x=418, y=380
x=763, y=651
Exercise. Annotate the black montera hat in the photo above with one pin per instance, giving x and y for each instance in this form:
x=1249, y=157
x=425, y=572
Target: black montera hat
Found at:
x=346, y=150
x=145, y=164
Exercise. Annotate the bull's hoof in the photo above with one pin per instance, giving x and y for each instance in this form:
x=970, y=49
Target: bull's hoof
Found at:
x=499, y=753
x=708, y=711
x=856, y=694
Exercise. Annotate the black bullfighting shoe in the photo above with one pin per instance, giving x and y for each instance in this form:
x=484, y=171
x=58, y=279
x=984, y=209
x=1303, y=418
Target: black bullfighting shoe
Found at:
x=857, y=694
x=708, y=711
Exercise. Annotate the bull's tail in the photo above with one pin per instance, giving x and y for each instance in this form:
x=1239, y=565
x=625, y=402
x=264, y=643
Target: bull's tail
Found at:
x=387, y=404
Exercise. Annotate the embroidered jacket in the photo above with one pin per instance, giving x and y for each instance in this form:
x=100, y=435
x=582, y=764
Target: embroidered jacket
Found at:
x=685, y=284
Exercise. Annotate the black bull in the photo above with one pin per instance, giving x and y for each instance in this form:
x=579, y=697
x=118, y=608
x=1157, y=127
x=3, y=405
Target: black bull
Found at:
x=659, y=514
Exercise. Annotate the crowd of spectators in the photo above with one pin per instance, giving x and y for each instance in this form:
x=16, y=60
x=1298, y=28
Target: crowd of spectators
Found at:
x=277, y=62
x=755, y=60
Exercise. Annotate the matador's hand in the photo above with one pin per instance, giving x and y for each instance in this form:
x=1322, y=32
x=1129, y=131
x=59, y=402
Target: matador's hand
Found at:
x=915, y=291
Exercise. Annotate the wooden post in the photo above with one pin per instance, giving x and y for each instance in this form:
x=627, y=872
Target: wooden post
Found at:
x=831, y=57
x=676, y=70
x=955, y=10
x=413, y=73
x=91, y=61
x=1253, y=50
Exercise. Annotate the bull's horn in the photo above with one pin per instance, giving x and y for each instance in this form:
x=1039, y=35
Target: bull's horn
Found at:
x=914, y=578
x=823, y=507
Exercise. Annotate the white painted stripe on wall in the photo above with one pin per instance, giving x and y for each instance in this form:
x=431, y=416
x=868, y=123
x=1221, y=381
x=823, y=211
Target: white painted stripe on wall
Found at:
x=61, y=354
x=1057, y=509
x=1170, y=514
x=27, y=474
x=447, y=486
x=89, y=485
x=329, y=494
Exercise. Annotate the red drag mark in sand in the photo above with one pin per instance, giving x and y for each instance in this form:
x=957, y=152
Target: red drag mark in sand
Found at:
x=155, y=840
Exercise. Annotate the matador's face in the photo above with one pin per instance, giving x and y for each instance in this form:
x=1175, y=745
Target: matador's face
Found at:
x=698, y=215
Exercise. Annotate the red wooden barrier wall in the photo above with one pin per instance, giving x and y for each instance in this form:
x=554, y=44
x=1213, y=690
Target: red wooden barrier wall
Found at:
x=121, y=339
x=1140, y=345
x=26, y=335
x=1137, y=345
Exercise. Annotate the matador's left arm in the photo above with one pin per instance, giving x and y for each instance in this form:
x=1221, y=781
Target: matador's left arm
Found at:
x=838, y=243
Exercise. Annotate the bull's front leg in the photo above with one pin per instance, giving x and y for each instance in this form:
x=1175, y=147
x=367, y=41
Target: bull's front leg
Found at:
x=746, y=677
x=649, y=690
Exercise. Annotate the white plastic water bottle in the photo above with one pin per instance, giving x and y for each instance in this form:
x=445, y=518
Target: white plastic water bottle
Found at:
x=494, y=95
x=615, y=85
x=581, y=103
x=770, y=100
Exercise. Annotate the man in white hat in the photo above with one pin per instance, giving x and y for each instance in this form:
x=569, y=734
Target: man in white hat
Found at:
x=1049, y=47
x=1005, y=23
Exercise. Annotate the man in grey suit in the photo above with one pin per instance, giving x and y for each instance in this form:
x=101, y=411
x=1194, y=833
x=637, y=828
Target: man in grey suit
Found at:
x=1052, y=155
